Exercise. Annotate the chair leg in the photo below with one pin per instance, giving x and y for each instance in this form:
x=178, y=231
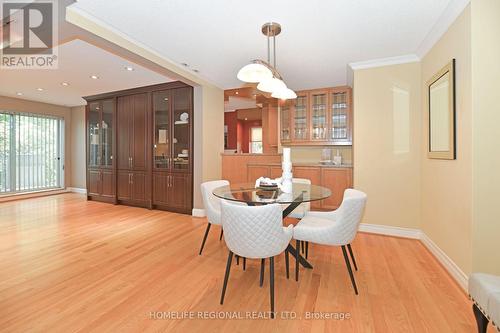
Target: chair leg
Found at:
x=297, y=250
x=226, y=276
x=244, y=263
x=237, y=259
x=262, y=266
x=271, y=284
x=205, y=237
x=307, y=249
x=287, y=264
x=221, y=233
x=303, y=246
x=352, y=256
x=481, y=320
x=348, y=264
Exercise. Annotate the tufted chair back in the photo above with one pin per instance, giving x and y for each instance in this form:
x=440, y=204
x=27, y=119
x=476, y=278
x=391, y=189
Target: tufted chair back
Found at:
x=348, y=216
x=210, y=201
x=254, y=231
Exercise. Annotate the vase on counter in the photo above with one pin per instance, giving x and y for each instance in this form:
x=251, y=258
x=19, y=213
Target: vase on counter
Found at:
x=286, y=166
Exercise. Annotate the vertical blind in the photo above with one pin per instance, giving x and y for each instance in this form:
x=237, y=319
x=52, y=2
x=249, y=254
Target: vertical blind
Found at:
x=30, y=152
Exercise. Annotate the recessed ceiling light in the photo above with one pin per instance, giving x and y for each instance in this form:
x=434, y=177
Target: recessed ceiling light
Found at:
x=19, y=93
x=196, y=71
x=39, y=89
x=94, y=77
x=64, y=84
x=246, y=118
x=237, y=93
x=130, y=69
x=166, y=99
x=184, y=64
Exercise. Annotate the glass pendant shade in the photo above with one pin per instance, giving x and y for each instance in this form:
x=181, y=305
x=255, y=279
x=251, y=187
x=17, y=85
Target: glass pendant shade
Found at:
x=271, y=85
x=254, y=73
x=286, y=93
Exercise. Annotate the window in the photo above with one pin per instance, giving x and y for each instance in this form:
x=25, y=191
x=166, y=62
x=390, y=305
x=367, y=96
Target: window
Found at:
x=31, y=149
x=256, y=140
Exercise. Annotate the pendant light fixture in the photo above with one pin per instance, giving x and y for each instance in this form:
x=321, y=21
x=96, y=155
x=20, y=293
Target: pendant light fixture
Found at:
x=262, y=72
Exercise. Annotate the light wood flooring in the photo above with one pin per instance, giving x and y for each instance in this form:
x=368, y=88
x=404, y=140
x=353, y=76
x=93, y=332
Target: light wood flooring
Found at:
x=69, y=265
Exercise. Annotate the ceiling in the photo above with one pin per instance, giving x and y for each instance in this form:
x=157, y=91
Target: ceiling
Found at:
x=318, y=39
x=78, y=60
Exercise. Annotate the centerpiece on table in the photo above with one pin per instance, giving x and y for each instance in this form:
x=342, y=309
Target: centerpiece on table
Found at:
x=284, y=183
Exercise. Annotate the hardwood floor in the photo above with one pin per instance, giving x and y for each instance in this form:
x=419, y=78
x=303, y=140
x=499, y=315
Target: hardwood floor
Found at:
x=69, y=265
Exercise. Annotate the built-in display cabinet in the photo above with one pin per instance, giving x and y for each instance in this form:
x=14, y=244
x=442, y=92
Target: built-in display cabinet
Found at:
x=140, y=147
x=318, y=117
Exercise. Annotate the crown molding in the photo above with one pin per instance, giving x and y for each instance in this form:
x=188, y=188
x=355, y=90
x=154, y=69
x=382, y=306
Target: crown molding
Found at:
x=384, y=62
x=449, y=15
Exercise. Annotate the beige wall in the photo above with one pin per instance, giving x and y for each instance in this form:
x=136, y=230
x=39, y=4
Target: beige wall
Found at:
x=485, y=18
x=387, y=143
x=208, y=137
x=447, y=185
x=78, y=170
x=21, y=105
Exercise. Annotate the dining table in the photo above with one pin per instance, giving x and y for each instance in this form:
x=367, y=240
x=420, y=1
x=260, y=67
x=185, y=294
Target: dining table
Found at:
x=253, y=196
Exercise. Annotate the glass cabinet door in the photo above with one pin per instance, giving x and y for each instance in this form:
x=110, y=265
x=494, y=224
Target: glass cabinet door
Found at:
x=319, y=105
x=107, y=128
x=339, y=122
x=181, y=111
x=285, y=121
x=300, y=118
x=161, y=111
x=94, y=133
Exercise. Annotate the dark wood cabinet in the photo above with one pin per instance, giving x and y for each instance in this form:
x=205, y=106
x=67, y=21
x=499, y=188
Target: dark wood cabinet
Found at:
x=153, y=143
x=132, y=118
x=100, y=149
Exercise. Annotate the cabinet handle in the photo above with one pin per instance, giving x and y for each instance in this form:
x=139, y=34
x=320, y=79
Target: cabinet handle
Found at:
x=129, y=181
x=131, y=178
x=131, y=162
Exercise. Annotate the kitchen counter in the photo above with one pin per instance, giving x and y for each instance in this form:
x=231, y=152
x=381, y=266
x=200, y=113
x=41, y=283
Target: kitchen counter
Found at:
x=303, y=164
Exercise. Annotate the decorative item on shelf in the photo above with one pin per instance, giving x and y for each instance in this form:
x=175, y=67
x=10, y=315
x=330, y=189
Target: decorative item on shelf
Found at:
x=286, y=185
x=184, y=119
x=262, y=72
x=337, y=159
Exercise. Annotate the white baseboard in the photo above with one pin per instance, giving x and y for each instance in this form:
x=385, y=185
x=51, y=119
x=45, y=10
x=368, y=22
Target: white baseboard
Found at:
x=452, y=268
x=456, y=273
x=77, y=190
x=390, y=231
x=197, y=212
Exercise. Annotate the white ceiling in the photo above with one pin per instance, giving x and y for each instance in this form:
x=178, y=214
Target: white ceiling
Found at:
x=78, y=60
x=318, y=39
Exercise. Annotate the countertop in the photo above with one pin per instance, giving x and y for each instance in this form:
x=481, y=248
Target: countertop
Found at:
x=305, y=164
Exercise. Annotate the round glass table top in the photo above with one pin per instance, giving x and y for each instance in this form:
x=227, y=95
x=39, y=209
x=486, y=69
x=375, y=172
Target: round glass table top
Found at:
x=249, y=194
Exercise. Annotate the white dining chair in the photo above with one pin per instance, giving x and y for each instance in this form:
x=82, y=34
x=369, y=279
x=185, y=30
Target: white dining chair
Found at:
x=301, y=211
x=255, y=232
x=212, y=206
x=337, y=228
x=304, y=207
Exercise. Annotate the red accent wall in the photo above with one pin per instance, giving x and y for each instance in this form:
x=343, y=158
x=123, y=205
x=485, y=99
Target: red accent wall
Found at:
x=245, y=135
x=238, y=131
x=231, y=121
